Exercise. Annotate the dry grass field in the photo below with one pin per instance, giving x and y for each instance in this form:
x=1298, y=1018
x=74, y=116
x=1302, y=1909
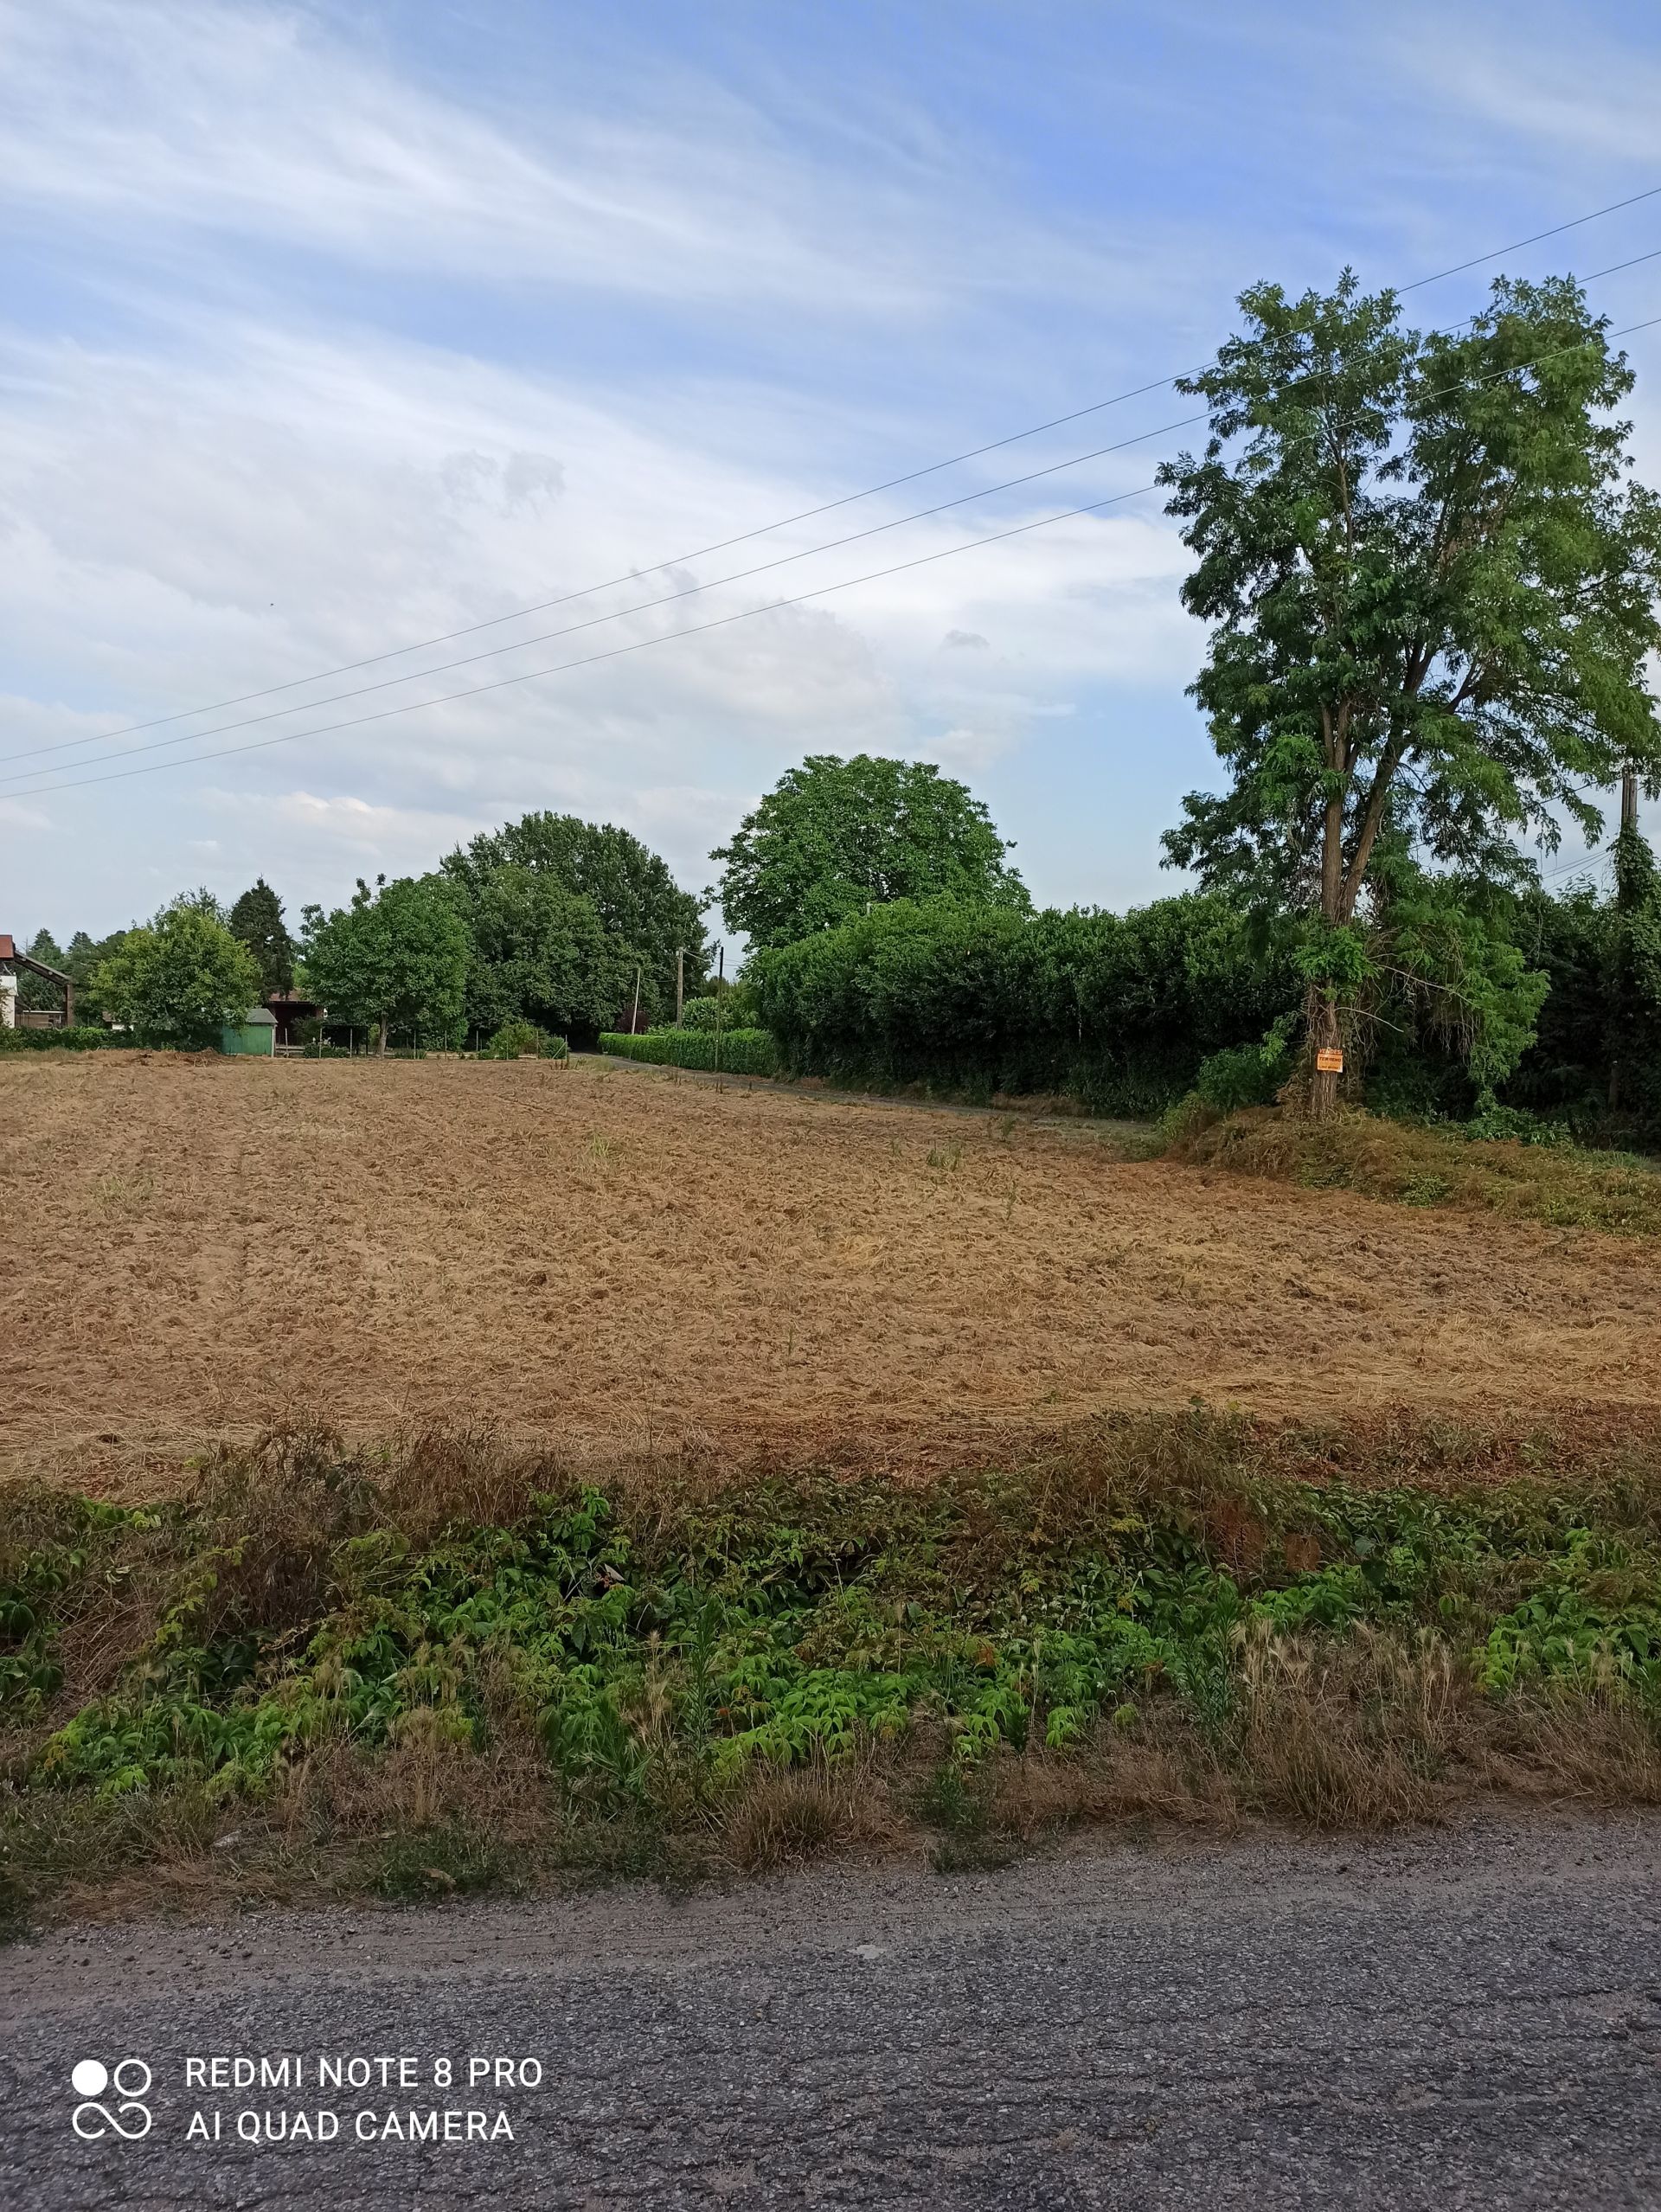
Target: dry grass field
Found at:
x=199, y=1247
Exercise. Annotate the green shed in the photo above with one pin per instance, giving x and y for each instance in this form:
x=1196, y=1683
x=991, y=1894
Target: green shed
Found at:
x=255, y=1032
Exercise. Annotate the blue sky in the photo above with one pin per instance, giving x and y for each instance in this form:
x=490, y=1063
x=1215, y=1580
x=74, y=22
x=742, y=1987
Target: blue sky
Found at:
x=327, y=328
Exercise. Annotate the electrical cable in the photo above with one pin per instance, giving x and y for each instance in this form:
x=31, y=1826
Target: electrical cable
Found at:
x=807, y=514
x=689, y=591
x=616, y=653
x=547, y=636
x=743, y=614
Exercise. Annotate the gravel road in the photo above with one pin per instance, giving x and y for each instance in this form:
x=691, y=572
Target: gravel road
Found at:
x=1471, y=2019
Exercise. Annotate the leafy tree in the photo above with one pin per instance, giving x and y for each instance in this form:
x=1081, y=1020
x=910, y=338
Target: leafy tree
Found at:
x=177, y=981
x=396, y=955
x=1431, y=587
x=85, y=956
x=35, y=991
x=640, y=905
x=257, y=920
x=835, y=838
x=539, y=952
x=201, y=900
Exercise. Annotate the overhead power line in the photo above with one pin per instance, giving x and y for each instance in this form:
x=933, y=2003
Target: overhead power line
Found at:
x=615, y=652
x=642, y=606
x=806, y=513
x=686, y=591
x=1517, y=244
x=719, y=622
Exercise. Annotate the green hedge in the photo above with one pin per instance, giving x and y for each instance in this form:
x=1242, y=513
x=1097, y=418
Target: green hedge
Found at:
x=76, y=1039
x=743, y=1052
x=1118, y=1010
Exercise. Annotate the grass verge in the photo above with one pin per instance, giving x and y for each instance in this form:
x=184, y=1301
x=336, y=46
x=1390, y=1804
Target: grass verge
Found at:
x=1561, y=1185
x=443, y=1665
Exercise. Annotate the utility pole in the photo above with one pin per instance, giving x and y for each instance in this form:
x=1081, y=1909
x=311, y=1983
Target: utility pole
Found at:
x=680, y=982
x=721, y=989
x=1629, y=796
x=634, y=1018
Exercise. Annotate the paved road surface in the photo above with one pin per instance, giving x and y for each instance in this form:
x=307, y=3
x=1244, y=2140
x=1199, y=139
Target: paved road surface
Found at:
x=1447, y=2023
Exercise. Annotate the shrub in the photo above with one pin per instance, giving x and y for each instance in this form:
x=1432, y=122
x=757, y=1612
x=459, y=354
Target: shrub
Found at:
x=523, y=1041
x=742, y=1052
x=1246, y=1074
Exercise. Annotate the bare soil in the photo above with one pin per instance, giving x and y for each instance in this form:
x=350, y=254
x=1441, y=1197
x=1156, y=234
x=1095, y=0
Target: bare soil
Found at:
x=195, y=1247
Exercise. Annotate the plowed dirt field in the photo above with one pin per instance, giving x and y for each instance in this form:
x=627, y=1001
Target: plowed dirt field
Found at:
x=191, y=1247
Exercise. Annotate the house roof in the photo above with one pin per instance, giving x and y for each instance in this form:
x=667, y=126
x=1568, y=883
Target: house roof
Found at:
x=8, y=950
x=259, y=1017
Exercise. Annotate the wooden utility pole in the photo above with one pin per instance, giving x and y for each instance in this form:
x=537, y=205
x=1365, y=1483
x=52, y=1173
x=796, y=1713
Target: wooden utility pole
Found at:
x=680, y=982
x=721, y=989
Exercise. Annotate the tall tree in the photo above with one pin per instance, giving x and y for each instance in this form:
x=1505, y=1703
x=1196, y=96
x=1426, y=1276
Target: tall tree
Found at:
x=541, y=953
x=395, y=957
x=256, y=920
x=35, y=991
x=1431, y=586
x=639, y=904
x=835, y=838
x=177, y=981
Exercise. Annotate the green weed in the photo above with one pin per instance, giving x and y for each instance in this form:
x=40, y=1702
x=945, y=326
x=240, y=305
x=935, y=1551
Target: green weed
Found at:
x=1333, y=1626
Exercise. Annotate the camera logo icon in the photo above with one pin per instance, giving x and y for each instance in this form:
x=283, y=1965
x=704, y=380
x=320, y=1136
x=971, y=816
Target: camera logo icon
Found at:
x=129, y=2079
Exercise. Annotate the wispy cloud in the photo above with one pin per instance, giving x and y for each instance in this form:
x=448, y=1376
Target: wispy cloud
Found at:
x=204, y=117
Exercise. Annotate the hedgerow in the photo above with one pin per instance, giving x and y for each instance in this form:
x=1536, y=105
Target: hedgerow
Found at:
x=86, y=1038
x=735, y=1052
x=1118, y=1010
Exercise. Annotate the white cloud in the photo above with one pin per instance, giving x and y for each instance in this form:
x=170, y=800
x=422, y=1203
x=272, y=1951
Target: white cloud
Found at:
x=191, y=528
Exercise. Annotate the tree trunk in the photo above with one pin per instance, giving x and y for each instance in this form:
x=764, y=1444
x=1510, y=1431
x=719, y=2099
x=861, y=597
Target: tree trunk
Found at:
x=1326, y=1034
x=381, y=1039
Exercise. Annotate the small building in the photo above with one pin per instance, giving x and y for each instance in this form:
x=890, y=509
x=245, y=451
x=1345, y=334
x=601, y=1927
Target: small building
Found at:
x=14, y=1017
x=289, y=1010
x=255, y=1033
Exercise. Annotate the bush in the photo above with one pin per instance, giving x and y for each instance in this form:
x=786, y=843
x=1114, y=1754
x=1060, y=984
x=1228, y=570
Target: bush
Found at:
x=80, y=1039
x=743, y=1052
x=1504, y=1125
x=523, y=1041
x=1245, y=1074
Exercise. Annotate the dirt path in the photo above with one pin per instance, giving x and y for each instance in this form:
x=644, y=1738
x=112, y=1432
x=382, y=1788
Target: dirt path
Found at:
x=193, y=1246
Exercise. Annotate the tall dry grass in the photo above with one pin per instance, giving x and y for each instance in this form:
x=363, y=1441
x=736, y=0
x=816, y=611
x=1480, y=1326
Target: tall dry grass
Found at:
x=1352, y=1151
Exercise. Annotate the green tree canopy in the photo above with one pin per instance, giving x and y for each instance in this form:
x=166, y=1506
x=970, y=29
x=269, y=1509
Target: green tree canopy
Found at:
x=1430, y=588
x=540, y=953
x=395, y=957
x=835, y=837
x=177, y=981
x=638, y=902
x=256, y=920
